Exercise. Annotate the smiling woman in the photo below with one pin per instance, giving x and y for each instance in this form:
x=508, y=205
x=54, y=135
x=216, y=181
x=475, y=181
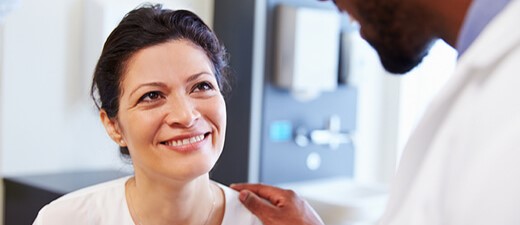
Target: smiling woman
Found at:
x=170, y=110
x=159, y=85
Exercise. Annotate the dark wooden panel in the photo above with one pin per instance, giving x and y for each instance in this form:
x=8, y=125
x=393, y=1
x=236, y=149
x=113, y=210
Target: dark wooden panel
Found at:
x=26, y=195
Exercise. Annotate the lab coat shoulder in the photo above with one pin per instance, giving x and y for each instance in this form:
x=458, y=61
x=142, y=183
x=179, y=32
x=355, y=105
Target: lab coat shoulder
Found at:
x=460, y=165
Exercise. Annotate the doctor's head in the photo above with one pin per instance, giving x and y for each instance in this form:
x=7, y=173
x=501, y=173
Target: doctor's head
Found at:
x=401, y=31
x=159, y=85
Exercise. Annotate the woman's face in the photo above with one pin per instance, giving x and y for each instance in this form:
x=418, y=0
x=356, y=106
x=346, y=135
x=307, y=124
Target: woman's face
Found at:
x=172, y=115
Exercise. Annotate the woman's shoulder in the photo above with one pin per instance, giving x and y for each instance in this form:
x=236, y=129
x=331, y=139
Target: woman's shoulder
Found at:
x=87, y=205
x=94, y=193
x=235, y=212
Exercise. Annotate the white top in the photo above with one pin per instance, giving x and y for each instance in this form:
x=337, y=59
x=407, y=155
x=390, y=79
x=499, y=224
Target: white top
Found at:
x=105, y=204
x=461, y=166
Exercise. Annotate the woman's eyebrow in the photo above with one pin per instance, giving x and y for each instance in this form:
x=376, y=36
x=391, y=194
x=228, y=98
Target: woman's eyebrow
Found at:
x=197, y=75
x=162, y=85
x=150, y=84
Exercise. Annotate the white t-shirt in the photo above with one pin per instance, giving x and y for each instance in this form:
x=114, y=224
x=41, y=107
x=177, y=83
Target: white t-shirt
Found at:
x=105, y=204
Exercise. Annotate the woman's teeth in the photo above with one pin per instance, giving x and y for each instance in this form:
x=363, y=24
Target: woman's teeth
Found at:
x=185, y=141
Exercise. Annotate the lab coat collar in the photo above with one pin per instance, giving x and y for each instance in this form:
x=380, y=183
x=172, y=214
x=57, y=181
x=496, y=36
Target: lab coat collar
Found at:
x=497, y=34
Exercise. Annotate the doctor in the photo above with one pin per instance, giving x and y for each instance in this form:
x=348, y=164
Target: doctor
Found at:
x=462, y=164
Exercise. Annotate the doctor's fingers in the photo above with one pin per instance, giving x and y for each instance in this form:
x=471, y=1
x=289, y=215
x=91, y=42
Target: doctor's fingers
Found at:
x=276, y=196
x=275, y=206
x=293, y=211
x=257, y=205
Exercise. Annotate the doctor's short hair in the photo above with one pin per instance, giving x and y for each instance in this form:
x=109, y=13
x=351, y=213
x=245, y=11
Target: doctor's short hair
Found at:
x=147, y=26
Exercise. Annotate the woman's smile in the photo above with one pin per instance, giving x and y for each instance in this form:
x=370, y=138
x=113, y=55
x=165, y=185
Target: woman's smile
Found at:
x=187, y=143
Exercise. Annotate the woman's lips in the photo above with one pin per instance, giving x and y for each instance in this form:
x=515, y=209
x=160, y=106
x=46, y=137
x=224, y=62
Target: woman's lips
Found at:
x=185, y=141
x=186, y=144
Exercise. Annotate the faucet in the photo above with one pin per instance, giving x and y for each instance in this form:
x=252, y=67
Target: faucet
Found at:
x=331, y=136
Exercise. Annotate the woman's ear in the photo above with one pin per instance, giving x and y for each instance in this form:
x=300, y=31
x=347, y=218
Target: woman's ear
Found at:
x=112, y=128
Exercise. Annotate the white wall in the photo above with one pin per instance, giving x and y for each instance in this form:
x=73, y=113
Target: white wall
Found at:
x=48, y=122
x=421, y=85
x=2, y=193
x=378, y=104
x=390, y=106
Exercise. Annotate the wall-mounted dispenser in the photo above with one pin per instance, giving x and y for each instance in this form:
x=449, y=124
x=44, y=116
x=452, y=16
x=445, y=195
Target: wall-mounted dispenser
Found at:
x=289, y=140
x=307, y=50
x=302, y=145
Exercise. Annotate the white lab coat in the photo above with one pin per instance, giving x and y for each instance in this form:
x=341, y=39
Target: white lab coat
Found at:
x=462, y=164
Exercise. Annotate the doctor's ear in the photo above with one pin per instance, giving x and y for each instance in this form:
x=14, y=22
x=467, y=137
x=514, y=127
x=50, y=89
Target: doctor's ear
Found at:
x=112, y=128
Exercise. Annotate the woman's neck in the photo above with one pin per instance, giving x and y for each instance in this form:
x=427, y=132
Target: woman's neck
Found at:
x=166, y=201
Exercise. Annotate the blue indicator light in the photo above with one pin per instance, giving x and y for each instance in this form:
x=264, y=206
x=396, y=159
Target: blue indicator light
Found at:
x=280, y=131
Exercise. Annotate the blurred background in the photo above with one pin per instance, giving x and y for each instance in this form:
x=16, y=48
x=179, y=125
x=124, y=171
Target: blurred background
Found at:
x=311, y=107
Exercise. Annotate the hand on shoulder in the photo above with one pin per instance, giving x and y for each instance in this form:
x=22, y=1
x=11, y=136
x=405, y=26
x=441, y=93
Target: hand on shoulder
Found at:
x=276, y=206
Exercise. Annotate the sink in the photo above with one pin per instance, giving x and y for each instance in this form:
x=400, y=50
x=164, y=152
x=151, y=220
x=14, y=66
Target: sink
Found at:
x=341, y=201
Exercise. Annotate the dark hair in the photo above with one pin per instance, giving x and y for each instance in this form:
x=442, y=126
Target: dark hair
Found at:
x=143, y=27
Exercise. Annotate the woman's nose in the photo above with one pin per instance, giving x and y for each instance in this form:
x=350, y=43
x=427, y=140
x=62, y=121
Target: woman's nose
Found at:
x=181, y=112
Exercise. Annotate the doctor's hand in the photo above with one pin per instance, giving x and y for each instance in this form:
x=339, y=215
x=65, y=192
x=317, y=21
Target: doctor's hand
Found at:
x=275, y=206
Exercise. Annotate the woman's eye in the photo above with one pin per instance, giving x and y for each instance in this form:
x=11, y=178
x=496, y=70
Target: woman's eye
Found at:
x=150, y=96
x=203, y=86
